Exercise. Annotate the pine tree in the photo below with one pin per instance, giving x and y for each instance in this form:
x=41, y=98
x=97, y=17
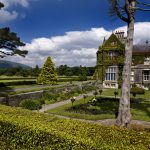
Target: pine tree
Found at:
x=10, y=42
x=48, y=75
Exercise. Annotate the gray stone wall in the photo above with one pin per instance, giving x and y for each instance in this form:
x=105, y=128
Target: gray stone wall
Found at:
x=14, y=100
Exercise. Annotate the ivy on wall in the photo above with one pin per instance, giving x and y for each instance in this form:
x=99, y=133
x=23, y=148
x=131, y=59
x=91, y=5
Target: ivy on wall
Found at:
x=104, y=60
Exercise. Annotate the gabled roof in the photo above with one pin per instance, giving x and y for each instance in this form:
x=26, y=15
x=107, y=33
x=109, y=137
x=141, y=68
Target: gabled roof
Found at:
x=112, y=41
x=141, y=49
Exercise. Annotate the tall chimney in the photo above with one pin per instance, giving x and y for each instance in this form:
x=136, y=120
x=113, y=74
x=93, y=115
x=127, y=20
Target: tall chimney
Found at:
x=120, y=36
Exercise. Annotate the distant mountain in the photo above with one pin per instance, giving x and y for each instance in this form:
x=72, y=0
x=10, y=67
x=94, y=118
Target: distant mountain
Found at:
x=9, y=64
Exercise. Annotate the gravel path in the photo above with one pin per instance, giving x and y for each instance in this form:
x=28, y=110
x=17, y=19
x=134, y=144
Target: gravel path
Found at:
x=107, y=122
x=52, y=106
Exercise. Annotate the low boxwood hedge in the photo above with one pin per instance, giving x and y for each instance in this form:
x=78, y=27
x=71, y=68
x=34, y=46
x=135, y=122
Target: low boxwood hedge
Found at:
x=12, y=83
x=23, y=129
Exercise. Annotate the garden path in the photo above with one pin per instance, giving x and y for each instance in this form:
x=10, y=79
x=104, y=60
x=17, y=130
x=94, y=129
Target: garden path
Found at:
x=106, y=122
x=57, y=104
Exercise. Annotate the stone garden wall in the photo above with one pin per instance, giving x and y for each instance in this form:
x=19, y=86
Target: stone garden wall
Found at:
x=14, y=100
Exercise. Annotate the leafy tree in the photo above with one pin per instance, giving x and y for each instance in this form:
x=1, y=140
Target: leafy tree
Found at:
x=125, y=10
x=35, y=71
x=82, y=76
x=48, y=75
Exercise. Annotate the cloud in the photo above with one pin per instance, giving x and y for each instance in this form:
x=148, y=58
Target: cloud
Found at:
x=76, y=47
x=8, y=3
x=6, y=15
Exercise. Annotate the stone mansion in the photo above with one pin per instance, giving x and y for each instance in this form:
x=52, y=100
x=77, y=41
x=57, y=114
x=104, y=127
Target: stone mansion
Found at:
x=110, y=59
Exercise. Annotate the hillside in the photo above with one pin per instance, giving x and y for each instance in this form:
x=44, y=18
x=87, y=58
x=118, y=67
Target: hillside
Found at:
x=9, y=64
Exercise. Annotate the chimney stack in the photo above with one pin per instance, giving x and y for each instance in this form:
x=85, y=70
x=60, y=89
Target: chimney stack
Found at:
x=120, y=36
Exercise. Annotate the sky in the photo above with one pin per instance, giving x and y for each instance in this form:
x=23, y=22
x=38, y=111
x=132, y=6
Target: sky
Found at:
x=70, y=31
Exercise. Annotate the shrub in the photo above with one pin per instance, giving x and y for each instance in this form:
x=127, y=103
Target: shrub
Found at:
x=100, y=91
x=73, y=100
x=23, y=129
x=82, y=78
x=30, y=104
x=95, y=93
x=49, y=96
x=116, y=93
x=135, y=90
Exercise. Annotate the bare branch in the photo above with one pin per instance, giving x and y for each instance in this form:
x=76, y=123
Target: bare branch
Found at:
x=143, y=3
x=116, y=10
x=141, y=9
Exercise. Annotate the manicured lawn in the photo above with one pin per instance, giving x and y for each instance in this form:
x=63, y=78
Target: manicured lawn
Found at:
x=104, y=108
x=110, y=92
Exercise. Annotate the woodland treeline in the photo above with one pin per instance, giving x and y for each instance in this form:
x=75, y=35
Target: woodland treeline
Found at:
x=62, y=70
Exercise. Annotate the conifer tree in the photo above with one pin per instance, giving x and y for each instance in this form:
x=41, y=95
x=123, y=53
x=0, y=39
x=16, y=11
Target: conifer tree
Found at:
x=10, y=42
x=48, y=75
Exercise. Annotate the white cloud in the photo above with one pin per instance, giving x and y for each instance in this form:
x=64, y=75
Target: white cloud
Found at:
x=6, y=15
x=141, y=33
x=8, y=3
x=75, y=47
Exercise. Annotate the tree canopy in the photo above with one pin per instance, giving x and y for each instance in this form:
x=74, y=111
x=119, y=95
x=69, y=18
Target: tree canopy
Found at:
x=9, y=43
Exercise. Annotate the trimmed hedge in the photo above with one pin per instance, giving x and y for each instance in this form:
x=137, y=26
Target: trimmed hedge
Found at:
x=136, y=90
x=18, y=78
x=23, y=129
x=3, y=84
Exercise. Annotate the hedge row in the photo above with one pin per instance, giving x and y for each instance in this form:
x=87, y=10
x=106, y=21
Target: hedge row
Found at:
x=12, y=83
x=23, y=129
x=18, y=78
x=74, y=79
x=3, y=84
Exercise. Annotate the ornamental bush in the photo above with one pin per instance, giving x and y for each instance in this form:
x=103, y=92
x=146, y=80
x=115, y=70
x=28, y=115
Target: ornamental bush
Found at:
x=23, y=129
x=135, y=90
x=31, y=104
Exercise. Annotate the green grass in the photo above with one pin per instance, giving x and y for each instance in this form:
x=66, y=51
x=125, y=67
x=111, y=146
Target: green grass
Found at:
x=110, y=92
x=62, y=111
x=103, y=110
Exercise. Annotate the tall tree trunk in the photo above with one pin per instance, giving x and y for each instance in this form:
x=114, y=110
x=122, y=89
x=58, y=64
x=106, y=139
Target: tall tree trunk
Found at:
x=124, y=115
